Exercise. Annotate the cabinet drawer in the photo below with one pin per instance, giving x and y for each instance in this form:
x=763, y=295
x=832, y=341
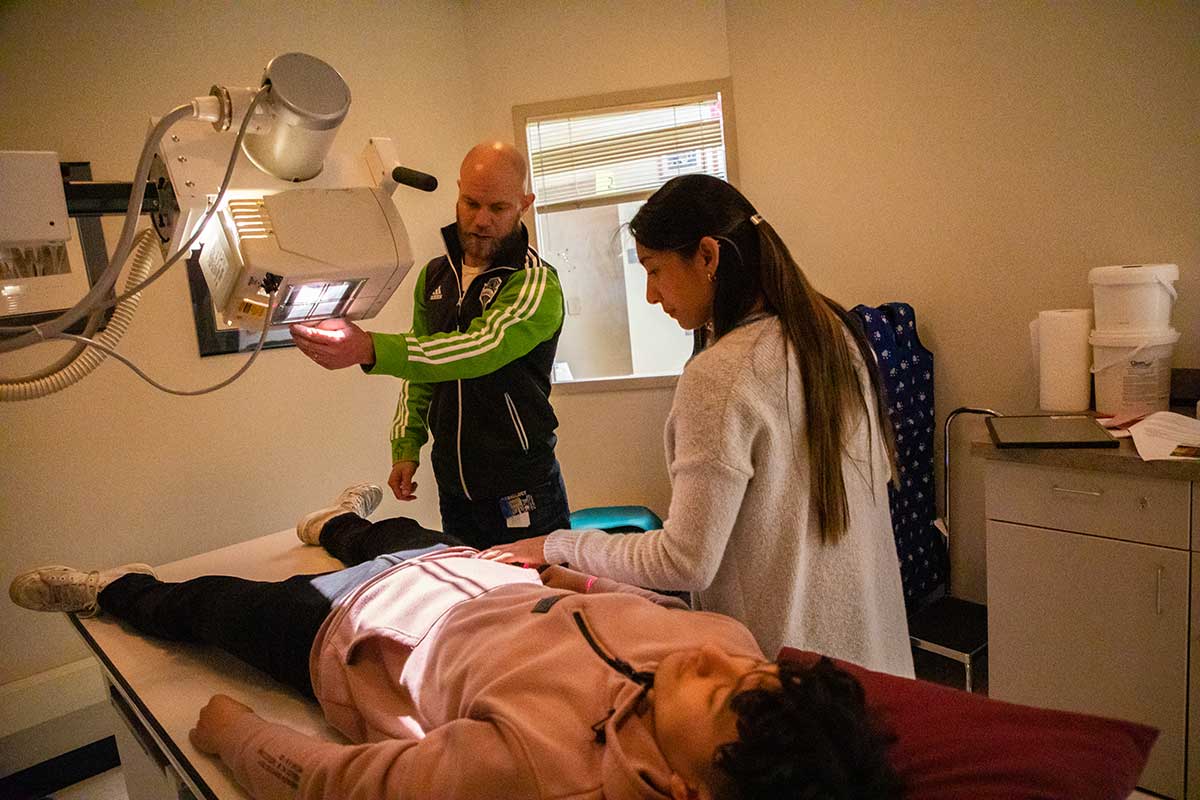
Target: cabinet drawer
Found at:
x=1148, y=510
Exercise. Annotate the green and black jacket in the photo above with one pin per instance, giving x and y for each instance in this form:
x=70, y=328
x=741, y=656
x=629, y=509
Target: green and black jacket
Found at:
x=475, y=372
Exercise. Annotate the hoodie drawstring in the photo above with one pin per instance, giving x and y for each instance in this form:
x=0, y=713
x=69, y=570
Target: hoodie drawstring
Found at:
x=640, y=677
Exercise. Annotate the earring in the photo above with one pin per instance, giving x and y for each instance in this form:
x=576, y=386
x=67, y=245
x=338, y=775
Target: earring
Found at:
x=711, y=277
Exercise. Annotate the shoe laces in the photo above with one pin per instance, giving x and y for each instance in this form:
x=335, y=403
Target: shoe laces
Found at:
x=359, y=500
x=66, y=590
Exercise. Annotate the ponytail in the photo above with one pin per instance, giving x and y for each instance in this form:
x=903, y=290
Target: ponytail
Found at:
x=814, y=329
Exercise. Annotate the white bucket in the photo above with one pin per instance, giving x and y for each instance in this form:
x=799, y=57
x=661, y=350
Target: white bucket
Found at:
x=1136, y=297
x=1133, y=371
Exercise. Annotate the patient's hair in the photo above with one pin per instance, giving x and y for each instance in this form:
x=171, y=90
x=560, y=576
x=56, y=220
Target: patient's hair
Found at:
x=811, y=739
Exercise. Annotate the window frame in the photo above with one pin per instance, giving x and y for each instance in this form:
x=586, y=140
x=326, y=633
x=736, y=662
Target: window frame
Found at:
x=614, y=101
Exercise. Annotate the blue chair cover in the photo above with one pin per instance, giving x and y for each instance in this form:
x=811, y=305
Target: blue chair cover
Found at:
x=907, y=371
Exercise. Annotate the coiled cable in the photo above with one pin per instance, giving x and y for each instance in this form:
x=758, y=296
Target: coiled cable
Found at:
x=145, y=246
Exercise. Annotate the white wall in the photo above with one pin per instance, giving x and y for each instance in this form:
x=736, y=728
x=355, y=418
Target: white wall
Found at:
x=111, y=470
x=975, y=160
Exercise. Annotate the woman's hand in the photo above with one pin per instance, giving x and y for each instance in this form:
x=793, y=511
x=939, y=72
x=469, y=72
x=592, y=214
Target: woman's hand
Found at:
x=215, y=720
x=524, y=551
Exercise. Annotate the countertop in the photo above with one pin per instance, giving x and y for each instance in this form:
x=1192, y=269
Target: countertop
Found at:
x=1123, y=459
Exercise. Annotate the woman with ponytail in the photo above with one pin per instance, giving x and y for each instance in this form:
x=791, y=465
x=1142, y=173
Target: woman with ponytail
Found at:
x=778, y=445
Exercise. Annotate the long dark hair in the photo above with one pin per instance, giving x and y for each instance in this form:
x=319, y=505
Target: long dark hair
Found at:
x=755, y=264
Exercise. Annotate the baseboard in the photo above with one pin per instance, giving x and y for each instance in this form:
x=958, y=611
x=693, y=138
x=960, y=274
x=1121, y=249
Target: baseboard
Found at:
x=49, y=695
x=62, y=771
x=52, y=713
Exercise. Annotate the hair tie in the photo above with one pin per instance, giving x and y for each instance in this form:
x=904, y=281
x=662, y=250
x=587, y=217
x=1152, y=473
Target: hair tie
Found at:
x=755, y=219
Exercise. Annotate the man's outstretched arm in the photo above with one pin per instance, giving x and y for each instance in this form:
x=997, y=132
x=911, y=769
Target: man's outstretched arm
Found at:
x=527, y=312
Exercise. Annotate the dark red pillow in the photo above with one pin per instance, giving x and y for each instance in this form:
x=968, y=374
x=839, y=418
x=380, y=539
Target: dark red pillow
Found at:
x=952, y=744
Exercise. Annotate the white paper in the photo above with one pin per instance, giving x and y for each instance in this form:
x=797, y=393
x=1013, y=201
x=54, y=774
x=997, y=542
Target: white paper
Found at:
x=1167, y=436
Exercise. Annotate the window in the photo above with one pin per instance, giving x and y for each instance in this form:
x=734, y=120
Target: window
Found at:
x=593, y=162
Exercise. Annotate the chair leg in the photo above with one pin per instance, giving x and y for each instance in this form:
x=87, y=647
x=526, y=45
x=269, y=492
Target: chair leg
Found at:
x=967, y=670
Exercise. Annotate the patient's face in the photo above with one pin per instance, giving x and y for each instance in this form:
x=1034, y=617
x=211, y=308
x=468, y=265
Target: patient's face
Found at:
x=692, y=717
x=680, y=285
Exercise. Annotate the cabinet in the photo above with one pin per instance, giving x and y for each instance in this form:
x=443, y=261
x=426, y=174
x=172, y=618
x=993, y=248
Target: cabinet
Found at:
x=1092, y=589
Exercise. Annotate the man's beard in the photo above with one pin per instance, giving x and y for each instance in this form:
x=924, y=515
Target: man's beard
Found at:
x=485, y=249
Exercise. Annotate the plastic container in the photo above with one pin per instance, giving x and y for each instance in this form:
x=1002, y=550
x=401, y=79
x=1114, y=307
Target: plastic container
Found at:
x=1135, y=297
x=1133, y=371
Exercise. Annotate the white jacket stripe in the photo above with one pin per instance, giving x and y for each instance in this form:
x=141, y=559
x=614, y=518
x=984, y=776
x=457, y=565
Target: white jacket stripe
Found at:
x=491, y=329
x=434, y=348
x=464, y=340
x=492, y=335
x=400, y=421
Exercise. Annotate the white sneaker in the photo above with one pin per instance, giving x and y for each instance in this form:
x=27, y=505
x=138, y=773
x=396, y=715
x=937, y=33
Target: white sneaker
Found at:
x=58, y=588
x=361, y=499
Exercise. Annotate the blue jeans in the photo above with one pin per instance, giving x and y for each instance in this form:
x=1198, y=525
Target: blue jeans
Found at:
x=481, y=523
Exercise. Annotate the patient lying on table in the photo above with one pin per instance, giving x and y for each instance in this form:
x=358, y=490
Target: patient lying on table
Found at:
x=468, y=678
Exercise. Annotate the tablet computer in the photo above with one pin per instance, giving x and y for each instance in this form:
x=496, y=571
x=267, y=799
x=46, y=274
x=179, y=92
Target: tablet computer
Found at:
x=1049, y=430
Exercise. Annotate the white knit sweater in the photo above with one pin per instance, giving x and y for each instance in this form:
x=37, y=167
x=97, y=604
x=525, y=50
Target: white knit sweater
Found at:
x=740, y=533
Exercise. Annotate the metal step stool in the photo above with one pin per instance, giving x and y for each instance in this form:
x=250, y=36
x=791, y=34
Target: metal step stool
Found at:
x=950, y=626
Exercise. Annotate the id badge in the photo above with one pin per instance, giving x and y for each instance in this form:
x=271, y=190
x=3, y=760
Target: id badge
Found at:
x=516, y=508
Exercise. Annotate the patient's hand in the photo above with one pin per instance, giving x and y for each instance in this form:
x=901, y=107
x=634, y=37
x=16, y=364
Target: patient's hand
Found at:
x=215, y=719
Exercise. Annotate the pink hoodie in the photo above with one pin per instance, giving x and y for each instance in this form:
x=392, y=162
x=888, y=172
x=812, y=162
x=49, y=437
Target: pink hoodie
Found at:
x=469, y=679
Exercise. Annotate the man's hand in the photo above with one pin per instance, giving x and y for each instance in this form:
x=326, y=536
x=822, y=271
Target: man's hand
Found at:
x=335, y=343
x=401, y=480
x=524, y=551
x=213, y=725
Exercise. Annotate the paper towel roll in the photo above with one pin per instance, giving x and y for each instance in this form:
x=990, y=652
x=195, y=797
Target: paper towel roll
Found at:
x=1064, y=357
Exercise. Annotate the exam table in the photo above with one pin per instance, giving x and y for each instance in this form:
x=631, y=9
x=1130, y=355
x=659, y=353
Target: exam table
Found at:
x=158, y=687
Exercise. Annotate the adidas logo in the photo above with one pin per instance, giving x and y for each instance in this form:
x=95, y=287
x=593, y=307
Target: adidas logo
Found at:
x=437, y=294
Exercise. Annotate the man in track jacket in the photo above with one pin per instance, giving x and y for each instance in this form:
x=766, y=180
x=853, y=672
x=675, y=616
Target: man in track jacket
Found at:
x=475, y=368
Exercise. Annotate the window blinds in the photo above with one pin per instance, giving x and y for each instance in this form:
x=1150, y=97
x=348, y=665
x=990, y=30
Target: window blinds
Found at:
x=583, y=158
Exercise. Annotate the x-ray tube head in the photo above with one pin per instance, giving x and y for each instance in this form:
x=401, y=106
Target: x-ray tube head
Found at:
x=307, y=102
x=323, y=252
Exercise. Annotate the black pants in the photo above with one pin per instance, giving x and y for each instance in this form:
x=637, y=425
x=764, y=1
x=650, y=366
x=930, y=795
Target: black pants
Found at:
x=482, y=523
x=269, y=625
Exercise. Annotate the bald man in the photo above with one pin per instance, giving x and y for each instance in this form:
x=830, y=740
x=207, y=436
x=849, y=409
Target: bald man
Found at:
x=475, y=368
